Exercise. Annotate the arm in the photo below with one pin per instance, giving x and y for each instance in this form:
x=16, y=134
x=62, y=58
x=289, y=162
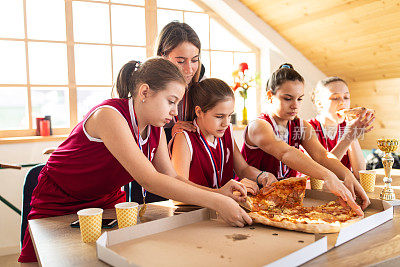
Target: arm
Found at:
x=181, y=160
x=354, y=130
x=244, y=170
x=329, y=161
x=260, y=134
x=113, y=130
x=357, y=159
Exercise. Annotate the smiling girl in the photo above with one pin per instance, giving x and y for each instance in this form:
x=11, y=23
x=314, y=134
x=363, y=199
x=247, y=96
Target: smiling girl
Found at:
x=272, y=141
x=210, y=156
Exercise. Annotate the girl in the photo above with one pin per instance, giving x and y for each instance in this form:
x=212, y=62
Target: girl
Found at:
x=272, y=141
x=210, y=156
x=335, y=134
x=179, y=43
x=121, y=140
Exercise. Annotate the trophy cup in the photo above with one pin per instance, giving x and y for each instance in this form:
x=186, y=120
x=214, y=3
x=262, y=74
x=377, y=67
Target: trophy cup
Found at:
x=388, y=146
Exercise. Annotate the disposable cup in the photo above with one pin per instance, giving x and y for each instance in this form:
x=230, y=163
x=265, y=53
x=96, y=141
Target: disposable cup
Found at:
x=126, y=213
x=90, y=224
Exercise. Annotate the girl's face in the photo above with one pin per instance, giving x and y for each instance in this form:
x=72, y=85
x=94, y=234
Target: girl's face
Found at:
x=186, y=57
x=332, y=98
x=166, y=102
x=286, y=102
x=216, y=120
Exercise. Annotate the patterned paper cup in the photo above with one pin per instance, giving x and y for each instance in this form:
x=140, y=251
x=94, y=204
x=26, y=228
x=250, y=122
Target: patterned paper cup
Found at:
x=90, y=224
x=367, y=180
x=316, y=183
x=126, y=213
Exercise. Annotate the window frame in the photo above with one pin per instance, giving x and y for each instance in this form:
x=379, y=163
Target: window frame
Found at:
x=151, y=38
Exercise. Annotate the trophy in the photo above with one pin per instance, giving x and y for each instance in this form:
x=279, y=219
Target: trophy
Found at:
x=388, y=146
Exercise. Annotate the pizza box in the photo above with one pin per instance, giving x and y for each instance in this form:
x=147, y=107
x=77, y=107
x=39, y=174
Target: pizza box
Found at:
x=377, y=213
x=199, y=238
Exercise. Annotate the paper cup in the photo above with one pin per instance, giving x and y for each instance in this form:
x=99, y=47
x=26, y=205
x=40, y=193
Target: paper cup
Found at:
x=126, y=213
x=367, y=180
x=90, y=224
x=316, y=183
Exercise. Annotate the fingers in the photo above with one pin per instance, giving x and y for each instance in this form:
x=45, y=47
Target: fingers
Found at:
x=186, y=125
x=365, y=199
x=238, y=187
x=353, y=205
x=247, y=218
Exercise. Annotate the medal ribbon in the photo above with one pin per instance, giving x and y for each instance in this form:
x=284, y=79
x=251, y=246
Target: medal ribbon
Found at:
x=283, y=169
x=138, y=138
x=217, y=173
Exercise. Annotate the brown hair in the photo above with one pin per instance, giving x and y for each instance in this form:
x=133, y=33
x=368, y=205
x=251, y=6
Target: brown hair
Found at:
x=285, y=73
x=207, y=94
x=155, y=72
x=324, y=83
x=172, y=35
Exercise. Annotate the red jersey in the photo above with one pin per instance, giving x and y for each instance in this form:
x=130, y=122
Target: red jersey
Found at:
x=261, y=160
x=82, y=172
x=329, y=143
x=212, y=168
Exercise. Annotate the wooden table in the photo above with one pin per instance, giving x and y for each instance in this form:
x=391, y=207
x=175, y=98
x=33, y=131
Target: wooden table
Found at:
x=57, y=244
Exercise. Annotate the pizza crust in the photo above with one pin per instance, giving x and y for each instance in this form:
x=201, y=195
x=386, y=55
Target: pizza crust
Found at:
x=316, y=228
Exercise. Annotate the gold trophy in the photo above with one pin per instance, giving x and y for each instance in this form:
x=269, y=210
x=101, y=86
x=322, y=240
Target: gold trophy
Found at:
x=388, y=146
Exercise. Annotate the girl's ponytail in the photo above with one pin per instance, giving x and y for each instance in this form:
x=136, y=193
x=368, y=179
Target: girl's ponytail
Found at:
x=155, y=72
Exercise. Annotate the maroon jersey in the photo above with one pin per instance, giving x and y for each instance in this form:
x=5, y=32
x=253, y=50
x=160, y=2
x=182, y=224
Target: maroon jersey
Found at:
x=82, y=172
x=329, y=143
x=266, y=162
x=202, y=170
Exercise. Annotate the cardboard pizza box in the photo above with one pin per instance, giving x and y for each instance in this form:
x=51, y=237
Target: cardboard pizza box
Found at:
x=198, y=238
x=377, y=213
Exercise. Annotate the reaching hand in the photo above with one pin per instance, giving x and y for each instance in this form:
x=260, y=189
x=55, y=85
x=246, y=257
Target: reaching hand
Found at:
x=231, y=212
x=337, y=187
x=266, y=179
x=233, y=186
x=250, y=185
x=183, y=125
x=356, y=189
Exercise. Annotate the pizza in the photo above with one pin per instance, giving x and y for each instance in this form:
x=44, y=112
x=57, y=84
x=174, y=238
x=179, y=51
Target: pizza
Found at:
x=352, y=113
x=285, y=193
x=271, y=207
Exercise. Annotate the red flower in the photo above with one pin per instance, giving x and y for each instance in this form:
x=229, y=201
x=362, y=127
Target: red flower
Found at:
x=237, y=85
x=243, y=66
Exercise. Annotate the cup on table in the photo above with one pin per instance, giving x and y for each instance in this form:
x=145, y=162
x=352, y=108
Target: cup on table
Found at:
x=316, y=183
x=90, y=224
x=126, y=213
x=367, y=180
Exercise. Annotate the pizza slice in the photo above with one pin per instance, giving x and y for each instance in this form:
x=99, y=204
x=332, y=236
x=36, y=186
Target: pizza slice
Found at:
x=327, y=218
x=286, y=193
x=352, y=113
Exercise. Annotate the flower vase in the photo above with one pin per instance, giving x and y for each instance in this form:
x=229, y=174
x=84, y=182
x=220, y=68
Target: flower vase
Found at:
x=244, y=113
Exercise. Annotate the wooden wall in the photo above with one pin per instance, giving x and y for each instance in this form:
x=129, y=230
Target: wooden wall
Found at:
x=384, y=97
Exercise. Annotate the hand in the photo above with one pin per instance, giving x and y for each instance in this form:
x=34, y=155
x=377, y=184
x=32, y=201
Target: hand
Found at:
x=231, y=212
x=360, y=125
x=356, y=189
x=337, y=187
x=233, y=186
x=250, y=185
x=266, y=179
x=183, y=125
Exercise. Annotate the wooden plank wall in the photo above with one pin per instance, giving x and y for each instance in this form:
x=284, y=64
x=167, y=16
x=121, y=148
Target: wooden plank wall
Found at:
x=384, y=97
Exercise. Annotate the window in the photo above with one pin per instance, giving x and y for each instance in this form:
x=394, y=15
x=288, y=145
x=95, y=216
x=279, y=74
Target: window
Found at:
x=61, y=57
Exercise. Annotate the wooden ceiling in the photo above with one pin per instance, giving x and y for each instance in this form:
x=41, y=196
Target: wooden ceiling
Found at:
x=356, y=40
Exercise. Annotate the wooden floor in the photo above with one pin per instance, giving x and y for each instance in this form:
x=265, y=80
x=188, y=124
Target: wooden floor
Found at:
x=12, y=261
